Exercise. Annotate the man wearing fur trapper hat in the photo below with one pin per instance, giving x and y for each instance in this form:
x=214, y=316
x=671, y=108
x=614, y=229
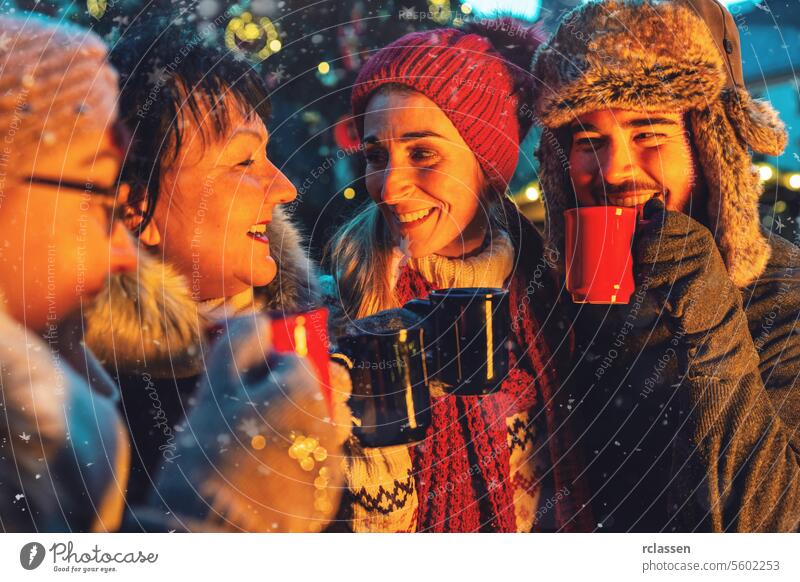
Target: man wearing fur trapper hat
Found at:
x=687, y=392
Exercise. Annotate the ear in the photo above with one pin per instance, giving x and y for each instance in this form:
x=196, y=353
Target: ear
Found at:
x=150, y=236
x=134, y=215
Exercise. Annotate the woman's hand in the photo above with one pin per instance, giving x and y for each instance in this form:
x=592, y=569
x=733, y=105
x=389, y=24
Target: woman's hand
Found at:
x=258, y=451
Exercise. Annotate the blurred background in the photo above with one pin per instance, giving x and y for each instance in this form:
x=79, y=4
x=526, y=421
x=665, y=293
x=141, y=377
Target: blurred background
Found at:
x=309, y=53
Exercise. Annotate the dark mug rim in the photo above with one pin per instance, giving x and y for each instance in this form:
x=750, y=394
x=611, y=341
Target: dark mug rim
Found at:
x=469, y=292
x=379, y=335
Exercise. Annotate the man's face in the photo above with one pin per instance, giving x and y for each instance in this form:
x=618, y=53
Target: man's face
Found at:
x=624, y=158
x=214, y=203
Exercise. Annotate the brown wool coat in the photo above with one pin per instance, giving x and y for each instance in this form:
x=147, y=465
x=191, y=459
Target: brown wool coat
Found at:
x=698, y=454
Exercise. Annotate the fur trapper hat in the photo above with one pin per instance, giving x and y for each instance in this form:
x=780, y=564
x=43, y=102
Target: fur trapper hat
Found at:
x=659, y=56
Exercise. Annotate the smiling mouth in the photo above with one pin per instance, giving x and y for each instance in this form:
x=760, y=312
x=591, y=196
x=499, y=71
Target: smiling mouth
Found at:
x=411, y=219
x=259, y=232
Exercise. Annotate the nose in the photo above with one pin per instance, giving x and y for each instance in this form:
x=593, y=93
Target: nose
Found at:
x=616, y=164
x=280, y=189
x=122, y=250
x=397, y=184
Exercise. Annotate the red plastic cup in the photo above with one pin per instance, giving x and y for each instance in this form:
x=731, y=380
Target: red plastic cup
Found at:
x=306, y=335
x=598, y=252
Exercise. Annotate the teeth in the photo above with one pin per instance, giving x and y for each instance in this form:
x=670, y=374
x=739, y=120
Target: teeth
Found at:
x=258, y=229
x=633, y=200
x=412, y=216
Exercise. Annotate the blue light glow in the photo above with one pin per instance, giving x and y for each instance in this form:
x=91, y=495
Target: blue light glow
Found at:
x=522, y=9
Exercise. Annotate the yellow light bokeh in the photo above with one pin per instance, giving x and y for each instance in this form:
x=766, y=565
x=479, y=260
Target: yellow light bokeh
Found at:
x=246, y=29
x=324, y=68
x=532, y=193
x=258, y=442
x=349, y=193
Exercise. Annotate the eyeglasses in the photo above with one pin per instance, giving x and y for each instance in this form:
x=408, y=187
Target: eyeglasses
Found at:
x=105, y=198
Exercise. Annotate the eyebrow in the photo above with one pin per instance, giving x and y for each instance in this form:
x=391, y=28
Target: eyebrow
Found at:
x=371, y=139
x=245, y=132
x=647, y=121
x=630, y=123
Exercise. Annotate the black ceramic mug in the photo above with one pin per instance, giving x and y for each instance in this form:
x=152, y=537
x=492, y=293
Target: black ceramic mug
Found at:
x=390, y=400
x=469, y=337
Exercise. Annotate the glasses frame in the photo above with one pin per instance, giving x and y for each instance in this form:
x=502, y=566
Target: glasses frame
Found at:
x=105, y=197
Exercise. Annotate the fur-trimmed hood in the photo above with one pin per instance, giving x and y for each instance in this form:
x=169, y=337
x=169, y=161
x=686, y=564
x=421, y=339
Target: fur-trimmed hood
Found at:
x=661, y=55
x=147, y=322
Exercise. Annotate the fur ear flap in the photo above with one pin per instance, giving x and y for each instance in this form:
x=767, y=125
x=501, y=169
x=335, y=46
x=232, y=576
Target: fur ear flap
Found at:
x=756, y=122
x=556, y=188
x=733, y=193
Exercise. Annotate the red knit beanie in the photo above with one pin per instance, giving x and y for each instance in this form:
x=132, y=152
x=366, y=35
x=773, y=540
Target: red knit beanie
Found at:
x=476, y=87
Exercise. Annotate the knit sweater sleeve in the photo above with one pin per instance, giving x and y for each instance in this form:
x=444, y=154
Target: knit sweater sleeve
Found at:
x=744, y=405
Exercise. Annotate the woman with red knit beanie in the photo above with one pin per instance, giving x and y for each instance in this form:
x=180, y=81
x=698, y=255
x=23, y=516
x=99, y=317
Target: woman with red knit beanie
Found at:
x=438, y=113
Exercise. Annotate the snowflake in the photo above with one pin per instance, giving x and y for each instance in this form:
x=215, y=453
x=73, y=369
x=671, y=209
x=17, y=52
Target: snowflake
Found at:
x=249, y=427
x=208, y=8
x=277, y=76
x=25, y=436
x=239, y=56
x=121, y=20
x=157, y=76
x=263, y=6
x=779, y=224
x=5, y=39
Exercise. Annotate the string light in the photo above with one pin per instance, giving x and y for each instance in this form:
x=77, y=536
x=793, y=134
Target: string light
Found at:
x=349, y=193
x=440, y=11
x=794, y=181
x=96, y=8
x=532, y=193
x=244, y=29
x=324, y=68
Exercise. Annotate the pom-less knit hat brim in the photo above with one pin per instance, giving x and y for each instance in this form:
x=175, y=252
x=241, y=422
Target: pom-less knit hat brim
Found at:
x=658, y=56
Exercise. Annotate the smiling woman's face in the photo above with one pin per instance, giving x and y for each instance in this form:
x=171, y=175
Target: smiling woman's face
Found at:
x=215, y=201
x=423, y=175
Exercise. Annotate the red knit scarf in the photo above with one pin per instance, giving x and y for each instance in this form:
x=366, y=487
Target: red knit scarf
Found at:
x=466, y=444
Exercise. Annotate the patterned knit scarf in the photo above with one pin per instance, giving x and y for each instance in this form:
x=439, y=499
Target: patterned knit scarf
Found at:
x=462, y=467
